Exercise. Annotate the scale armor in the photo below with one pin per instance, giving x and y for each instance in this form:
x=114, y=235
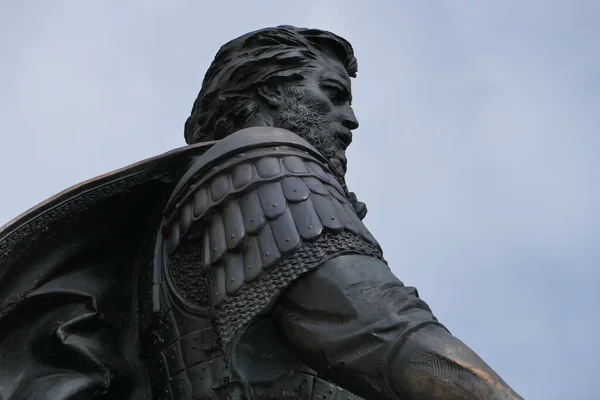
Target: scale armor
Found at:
x=250, y=216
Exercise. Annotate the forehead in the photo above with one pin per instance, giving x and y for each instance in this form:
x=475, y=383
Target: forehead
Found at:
x=332, y=69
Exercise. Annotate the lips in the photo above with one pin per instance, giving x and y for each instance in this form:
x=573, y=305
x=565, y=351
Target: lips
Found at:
x=345, y=136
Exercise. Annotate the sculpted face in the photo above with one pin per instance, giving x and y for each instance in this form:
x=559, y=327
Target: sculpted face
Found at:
x=292, y=78
x=318, y=108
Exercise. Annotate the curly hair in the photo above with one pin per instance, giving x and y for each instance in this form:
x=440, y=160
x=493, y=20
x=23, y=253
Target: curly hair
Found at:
x=228, y=97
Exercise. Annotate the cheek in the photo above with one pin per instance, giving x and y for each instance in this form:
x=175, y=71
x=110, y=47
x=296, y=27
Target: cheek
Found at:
x=318, y=102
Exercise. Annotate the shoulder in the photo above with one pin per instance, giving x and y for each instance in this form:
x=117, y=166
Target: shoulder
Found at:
x=255, y=212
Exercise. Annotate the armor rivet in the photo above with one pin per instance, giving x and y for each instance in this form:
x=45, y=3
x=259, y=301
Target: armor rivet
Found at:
x=232, y=235
x=310, y=227
x=251, y=219
x=231, y=280
x=287, y=239
x=333, y=218
x=267, y=254
x=215, y=249
x=330, y=391
x=305, y=380
x=295, y=190
x=274, y=205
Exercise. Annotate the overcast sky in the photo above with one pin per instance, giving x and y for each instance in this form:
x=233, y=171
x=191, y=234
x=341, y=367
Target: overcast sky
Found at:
x=477, y=152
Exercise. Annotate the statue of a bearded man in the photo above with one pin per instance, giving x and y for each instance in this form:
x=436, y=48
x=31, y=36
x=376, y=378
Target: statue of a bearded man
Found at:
x=237, y=267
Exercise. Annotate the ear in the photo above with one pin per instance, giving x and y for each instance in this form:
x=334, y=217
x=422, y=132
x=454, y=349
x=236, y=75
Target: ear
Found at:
x=271, y=95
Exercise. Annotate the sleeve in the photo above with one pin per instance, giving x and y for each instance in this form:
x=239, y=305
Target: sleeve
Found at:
x=353, y=321
x=345, y=319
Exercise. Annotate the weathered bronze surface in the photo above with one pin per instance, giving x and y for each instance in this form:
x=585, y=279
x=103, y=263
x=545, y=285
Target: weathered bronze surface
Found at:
x=237, y=267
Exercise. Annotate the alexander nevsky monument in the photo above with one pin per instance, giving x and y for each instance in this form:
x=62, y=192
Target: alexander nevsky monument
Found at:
x=236, y=267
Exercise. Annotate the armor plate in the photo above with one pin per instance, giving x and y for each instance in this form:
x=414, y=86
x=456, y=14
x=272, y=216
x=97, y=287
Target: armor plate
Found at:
x=250, y=216
x=253, y=214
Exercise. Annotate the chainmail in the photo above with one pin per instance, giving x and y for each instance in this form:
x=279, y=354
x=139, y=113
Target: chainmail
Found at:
x=189, y=276
x=236, y=312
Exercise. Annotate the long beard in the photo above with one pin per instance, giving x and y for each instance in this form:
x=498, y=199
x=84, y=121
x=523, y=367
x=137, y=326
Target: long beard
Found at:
x=310, y=125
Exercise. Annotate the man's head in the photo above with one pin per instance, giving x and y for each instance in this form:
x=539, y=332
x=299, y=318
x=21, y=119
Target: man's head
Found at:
x=291, y=78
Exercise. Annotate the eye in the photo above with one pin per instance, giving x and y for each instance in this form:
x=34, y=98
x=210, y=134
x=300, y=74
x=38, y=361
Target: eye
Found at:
x=335, y=94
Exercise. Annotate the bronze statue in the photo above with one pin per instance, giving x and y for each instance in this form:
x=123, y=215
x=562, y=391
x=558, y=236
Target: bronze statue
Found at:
x=237, y=267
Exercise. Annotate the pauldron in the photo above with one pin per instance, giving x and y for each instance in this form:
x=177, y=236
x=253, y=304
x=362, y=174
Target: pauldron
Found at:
x=251, y=215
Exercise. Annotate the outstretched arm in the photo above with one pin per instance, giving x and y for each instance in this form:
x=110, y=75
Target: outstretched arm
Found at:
x=276, y=228
x=355, y=322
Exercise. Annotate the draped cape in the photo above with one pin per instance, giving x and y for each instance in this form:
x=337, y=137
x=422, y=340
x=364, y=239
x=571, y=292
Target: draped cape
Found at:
x=69, y=282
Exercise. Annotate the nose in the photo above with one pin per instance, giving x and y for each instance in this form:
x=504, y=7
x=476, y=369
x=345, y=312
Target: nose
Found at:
x=349, y=119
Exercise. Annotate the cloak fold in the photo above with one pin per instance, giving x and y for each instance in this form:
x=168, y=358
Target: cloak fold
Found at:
x=69, y=279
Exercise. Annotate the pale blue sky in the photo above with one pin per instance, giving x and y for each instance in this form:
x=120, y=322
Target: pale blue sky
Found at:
x=485, y=115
